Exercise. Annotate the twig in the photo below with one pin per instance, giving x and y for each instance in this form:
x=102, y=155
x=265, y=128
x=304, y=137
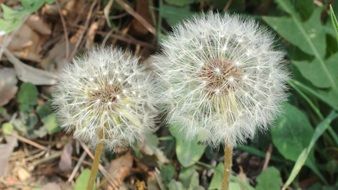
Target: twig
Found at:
x=51, y=157
x=27, y=141
x=267, y=157
x=227, y=6
x=137, y=16
x=65, y=31
x=77, y=166
x=132, y=41
x=84, y=29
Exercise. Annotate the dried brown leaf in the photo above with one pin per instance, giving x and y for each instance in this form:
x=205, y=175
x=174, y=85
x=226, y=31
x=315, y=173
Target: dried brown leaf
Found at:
x=5, y=153
x=65, y=163
x=38, y=25
x=8, y=86
x=119, y=169
x=30, y=74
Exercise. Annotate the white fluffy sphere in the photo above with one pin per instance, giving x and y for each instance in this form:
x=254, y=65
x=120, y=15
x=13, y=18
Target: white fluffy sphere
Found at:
x=223, y=78
x=106, y=89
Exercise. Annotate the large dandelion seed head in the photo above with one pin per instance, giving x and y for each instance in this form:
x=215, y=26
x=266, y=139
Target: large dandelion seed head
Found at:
x=223, y=76
x=106, y=90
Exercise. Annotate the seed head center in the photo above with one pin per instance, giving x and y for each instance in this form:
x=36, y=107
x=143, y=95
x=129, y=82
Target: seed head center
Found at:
x=106, y=94
x=220, y=76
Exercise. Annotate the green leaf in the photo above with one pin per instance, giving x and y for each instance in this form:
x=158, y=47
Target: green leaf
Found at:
x=327, y=96
x=320, y=129
x=306, y=36
x=179, y=2
x=33, y=5
x=12, y=19
x=44, y=110
x=7, y=128
x=189, y=178
x=27, y=97
x=310, y=36
x=167, y=173
x=217, y=178
x=317, y=76
x=188, y=152
x=82, y=180
x=294, y=126
x=175, y=185
x=334, y=21
x=50, y=123
x=174, y=15
x=269, y=179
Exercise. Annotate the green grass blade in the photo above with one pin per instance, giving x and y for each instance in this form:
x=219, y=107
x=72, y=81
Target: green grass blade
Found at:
x=320, y=129
x=334, y=21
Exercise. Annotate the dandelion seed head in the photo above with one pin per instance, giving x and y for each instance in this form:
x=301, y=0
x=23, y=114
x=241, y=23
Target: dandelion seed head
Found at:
x=223, y=83
x=92, y=95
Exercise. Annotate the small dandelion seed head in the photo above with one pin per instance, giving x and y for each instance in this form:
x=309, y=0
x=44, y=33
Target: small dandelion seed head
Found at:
x=221, y=91
x=89, y=98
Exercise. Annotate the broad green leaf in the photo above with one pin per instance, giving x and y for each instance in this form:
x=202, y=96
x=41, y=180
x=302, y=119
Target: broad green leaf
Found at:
x=175, y=185
x=174, y=15
x=188, y=152
x=320, y=129
x=217, y=178
x=307, y=36
x=167, y=172
x=12, y=19
x=236, y=183
x=82, y=180
x=292, y=134
x=50, y=123
x=179, y=2
x=287, y=6
x=317, y=76
x=189, y=178
x=27, y=96
x=269, y=179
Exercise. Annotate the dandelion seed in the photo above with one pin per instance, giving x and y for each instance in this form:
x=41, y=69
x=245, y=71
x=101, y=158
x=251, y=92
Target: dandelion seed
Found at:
x=89, y=98
x=222, y=88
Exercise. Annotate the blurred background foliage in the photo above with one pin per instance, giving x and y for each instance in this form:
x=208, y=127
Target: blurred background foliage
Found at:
x=299, y=152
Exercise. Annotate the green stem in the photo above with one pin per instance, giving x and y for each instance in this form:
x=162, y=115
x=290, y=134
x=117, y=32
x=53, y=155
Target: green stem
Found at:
x=227, y=166
x=96, y=162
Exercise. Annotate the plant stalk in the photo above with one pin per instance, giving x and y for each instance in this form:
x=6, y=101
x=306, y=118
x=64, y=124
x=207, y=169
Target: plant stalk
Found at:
x=227, y=166
x=96, y=162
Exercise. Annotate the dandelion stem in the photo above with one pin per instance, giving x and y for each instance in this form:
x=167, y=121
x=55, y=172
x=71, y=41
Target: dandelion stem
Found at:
x=96, y=162
x=227, y=166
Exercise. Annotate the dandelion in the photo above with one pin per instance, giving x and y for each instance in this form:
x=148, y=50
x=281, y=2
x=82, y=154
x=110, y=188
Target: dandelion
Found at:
x=224, y=79
x=106, y=97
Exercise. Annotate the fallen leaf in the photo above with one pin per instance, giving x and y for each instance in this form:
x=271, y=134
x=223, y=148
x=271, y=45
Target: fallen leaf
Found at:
x=38, y=25
x=5, y=153
x=8, y=86
x=119, y=169
x=23, y=174
x=65, y=163
x=30, y=74
x=51, y=186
